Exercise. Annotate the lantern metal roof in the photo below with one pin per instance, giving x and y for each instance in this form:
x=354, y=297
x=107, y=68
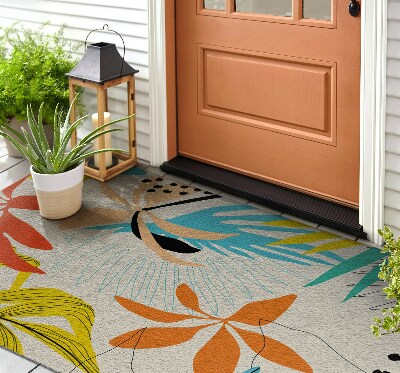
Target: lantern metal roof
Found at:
x=101, y=63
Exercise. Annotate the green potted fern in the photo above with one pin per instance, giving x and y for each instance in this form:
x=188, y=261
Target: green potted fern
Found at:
x=32, y=70
x=57, y=171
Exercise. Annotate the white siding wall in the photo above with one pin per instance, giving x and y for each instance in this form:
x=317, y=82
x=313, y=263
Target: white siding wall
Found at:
x=392, y=190
x=128, y=17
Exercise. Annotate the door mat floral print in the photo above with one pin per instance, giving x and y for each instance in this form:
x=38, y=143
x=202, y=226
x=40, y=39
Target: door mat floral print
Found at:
x=156, y=276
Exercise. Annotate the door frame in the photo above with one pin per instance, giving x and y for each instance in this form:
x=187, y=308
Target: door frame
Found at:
x=163, y=114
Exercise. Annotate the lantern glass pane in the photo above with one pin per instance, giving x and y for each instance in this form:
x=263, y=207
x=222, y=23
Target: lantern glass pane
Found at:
x=88, y=102
x=118, y=108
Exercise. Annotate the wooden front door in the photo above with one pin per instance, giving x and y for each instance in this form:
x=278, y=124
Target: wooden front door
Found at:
x=270, y=89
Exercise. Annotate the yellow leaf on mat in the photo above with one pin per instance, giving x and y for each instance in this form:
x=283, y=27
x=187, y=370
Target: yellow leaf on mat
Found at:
x=76, y=346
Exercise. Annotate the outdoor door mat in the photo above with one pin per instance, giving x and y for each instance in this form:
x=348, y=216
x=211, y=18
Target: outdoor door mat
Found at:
x=155, y=276
x=283, y=199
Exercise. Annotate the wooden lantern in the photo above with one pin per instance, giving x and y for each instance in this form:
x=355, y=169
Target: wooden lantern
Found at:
x=100, y=68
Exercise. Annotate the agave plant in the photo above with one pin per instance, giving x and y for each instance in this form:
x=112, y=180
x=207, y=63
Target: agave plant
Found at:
x=46, y=160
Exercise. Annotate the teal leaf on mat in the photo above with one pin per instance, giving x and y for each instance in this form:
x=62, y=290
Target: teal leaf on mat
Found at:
x=253, y=370
x=242, y=240
x=367, y=280
x=246, y=241
x=356, y=262
x=135, y=171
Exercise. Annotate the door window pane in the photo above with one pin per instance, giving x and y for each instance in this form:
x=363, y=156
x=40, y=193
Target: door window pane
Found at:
x=317, y=9
x=274, y=7
x=215, y=4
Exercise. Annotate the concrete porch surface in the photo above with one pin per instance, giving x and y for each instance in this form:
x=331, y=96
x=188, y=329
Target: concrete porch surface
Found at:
x=13, y=169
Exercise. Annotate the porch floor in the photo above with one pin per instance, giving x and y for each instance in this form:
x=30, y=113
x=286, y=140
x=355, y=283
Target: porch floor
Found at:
x=13, y=169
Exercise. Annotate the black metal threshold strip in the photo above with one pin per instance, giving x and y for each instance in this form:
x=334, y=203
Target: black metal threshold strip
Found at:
x=307, y=207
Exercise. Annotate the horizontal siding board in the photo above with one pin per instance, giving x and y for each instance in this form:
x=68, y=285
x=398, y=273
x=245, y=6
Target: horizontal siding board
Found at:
x=393, y=29
x=392, y=144
x=392, y=181
x=392, y=176
x=78, y=10
x=75, y=30
x=396, y=231
x=393, y=49
x=393, y=68
x=392, y=199
x=121, y=136
x=142, y=85
x=74, y=27
x=393, y=125
x=392, y=162
x=134, y=4
x=393, y=87
x=143, y=153
x=129, y=18
x=393, y=10
x=393, y=106
x=119, y=96
x=392, y=217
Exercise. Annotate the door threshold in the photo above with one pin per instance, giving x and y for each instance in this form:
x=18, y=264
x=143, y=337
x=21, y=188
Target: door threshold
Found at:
x=289, y=201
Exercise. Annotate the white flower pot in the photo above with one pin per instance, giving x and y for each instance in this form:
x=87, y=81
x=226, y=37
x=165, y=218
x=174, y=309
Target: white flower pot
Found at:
x=59, y=195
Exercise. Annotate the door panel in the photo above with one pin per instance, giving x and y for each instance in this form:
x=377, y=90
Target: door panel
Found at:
x=273, y=97
x=274, y=81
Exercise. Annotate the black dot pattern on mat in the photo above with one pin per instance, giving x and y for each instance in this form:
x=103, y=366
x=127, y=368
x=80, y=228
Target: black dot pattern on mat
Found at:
x=167, y=191
x=146, y=181
x=183, y=193
x=197, y=189
x=173, y=184
x=159, y=179
x=157, y=186
x=151, y=190
x=207, y=192
x=392, y=357
x=184, y=186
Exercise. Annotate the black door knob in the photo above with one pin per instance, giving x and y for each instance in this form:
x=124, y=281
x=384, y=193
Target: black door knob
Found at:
x=354, y=8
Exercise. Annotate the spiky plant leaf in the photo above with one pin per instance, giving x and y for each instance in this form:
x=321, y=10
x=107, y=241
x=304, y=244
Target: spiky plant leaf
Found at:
x=34, y=145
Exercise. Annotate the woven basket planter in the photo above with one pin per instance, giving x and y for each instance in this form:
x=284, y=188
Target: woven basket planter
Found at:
x=59, y=195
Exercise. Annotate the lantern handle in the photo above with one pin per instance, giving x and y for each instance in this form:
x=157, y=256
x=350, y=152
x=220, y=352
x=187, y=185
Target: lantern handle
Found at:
x=108, y=29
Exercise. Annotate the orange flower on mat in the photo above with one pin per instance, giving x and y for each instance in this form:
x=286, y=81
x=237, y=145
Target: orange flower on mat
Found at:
x=222, y=351
x=18, y=230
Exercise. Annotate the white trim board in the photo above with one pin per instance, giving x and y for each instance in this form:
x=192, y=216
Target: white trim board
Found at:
x=157, y=83
x=372, y=105
x=373, y=116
